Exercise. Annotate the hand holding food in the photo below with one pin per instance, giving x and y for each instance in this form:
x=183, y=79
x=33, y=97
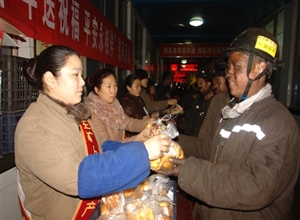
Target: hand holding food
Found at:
x=163, y=163
x=157, y=145
x=177, y=164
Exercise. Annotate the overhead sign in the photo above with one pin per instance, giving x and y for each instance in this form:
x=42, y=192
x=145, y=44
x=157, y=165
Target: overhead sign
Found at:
x=74, y=23
x=189, y=67
x=192, y=50
x=179, y=77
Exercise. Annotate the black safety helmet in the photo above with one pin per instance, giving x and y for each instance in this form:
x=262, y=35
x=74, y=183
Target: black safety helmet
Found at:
x=219, y=69
x=205, y=73
x=257, y=41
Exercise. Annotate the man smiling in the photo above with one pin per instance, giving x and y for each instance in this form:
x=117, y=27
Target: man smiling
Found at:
x=253, y=161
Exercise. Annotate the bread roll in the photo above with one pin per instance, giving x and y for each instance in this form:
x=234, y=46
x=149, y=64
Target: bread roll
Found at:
x=163, y=163
x=109, y=202
x=144, y=214
x=167, y=208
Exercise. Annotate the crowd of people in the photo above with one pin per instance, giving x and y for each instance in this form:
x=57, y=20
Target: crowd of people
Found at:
x=241, y=146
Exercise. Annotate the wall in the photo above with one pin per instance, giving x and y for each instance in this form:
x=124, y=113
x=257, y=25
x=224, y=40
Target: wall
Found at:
x=287, y=54
x=9, y=205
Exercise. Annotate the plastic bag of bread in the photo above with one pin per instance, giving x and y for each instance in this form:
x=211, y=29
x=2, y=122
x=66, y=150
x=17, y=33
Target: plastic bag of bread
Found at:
x=166, y=207
x=163, y=162
x=111, y=205
x=164, y=125
x=176, y=110
x=155, y=184
x=149, y=209
x=144, y=189
x=160, y=186
x=152, y=199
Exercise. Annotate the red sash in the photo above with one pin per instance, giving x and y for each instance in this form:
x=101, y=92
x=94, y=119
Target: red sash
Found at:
x=25, y=215
x=86, y=207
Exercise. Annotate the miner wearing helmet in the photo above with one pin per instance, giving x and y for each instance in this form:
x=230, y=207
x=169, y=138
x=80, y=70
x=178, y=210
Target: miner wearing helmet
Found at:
x=249, y=164
x=255, y=50
x=219, y=82
x=197, y=112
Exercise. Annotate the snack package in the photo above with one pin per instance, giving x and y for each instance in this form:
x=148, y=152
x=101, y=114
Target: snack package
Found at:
x=163, y=162
x=144, y=189
x=164, y=125
x=155, y=201
x=150, y=200
x=176, y=110
x=131, y=207
x=160, y=186
x=152, y=208
x=112, y=205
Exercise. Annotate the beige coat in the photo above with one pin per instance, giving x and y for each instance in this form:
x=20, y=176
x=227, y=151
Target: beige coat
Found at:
x=111, y=121
x=153, y=106
x=48, y=150
x=108, y=133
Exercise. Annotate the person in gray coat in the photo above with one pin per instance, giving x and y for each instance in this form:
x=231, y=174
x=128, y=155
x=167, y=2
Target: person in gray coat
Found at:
x=249, y=167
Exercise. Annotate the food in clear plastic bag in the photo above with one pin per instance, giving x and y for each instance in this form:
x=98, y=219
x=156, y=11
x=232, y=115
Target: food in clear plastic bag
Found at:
x=163, y=162
x=150, y=200
x=167, y=209
x=176, y=110
x=153, y=129
x=139, y=191
x=149, y=209
x=112, y=204
x=164, y=125
x=131, y=207
x=145, y=213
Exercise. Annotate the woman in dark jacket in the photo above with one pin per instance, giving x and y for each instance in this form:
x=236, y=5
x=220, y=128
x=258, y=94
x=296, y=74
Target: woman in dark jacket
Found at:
x=131, y=100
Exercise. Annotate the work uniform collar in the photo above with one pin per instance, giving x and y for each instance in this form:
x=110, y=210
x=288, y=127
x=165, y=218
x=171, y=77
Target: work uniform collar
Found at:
x=233, y=110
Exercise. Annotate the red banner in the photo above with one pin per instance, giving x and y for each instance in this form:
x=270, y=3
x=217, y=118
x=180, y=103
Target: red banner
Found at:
x=192, y=50
x=1, y=36
x=74, y=23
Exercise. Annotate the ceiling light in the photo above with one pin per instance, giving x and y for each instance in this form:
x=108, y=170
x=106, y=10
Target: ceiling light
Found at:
x=195, y=22
x=183, y=61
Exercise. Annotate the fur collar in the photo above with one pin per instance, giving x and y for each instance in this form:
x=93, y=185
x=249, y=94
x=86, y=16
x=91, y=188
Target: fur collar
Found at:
x=79, y=111
x=111, y=114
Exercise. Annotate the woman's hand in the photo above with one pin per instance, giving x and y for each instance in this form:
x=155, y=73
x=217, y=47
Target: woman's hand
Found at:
x=157, y=145
x=146, y=117
x=155, y=115
x=142, y=135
